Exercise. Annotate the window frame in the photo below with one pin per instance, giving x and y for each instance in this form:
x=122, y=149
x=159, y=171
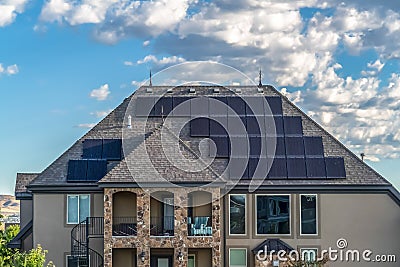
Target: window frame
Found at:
x=229, y=256
x=301, y=249
x=290, y=215
x=69, y=255
x=194, y=259
x=316, y=215
x=245, y=212
x=67, y=210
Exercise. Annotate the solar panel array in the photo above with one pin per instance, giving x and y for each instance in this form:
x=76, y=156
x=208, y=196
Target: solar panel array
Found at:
x=86, y=170
x=296, y=156
x=93, y=165
x=109, y=149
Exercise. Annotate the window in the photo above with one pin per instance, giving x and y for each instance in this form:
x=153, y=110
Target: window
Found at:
x=273, y=214
x=237, y=257
x=308, y=214
x=309, y=254
x=237, y=214
x=78, y=208
x=77, y=261
x=191, y=260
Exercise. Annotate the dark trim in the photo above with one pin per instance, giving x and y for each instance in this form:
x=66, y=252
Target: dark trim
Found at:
x=162, y=184
x=23, y=196
x=16, y=242
x=66, y=188
x=319, y=189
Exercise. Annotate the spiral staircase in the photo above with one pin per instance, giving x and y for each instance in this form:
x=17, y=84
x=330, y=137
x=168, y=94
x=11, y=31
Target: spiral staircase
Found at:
x=81, y=253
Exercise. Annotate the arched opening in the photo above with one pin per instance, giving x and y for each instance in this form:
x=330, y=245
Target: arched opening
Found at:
x=200, y=213
x=162, y=214
x=124, y=214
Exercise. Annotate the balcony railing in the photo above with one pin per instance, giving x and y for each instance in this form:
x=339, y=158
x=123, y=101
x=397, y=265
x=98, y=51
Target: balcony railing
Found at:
x=124, y=226
x=199, y=226
x=162, y=226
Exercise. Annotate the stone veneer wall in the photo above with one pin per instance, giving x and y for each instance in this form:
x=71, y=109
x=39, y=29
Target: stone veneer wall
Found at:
x=180, y=241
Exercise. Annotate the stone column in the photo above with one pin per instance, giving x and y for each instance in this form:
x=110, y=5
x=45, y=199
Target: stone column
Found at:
x=143, y=227
x=181, y=228
x=108, y=227
x=216, y=228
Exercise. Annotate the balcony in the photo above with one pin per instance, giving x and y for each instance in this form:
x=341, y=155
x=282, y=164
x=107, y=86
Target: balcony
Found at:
x=124, y=226
x=199, y=226
x=162, y=226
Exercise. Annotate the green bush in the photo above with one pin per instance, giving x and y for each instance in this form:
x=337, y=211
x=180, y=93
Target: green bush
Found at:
x=6, y=254
x=34, y=258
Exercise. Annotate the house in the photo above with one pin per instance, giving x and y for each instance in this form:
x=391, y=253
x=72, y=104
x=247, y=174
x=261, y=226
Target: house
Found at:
x=207, y=176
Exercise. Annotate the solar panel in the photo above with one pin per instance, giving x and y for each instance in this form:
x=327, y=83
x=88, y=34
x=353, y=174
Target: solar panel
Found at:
x=112, y=149
x=313, y=146
x=200, y=127
x=274, y=125
x=279, y=143
x=145, y=106
x=294, y=146
x=199, y=106
x=316, y=168
x=252, y=125
x=219, y=108
x=335, y=167
x=96, y=169
x=163, y=106
x=278, y=169
x=275, y=104
x=222, y=145
x=292, y=125
x=254, y=105
x=77, y=170
x=238, y=105
x=296, y=168
x=92, y=148
x=258, y=168
x=184, y=108
x=255, y=146
x=239, y=146
x=217, y=126
x=238, y=168
x=237, y=125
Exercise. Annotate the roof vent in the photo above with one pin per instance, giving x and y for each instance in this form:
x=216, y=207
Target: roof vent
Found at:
x=129, y=124
x=216, y=90
x=192, y=90
x=149, y=90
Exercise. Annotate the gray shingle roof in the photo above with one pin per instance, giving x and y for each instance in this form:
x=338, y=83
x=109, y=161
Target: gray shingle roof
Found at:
x=141, y=168
x=23, y=180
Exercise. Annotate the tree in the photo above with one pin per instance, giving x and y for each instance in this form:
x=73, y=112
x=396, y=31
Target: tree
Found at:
x=34, y=258
x=6, y=254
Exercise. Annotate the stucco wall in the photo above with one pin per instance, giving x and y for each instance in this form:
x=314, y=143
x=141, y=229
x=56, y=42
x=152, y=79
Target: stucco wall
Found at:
x=49, y=225
x=26, y=212
x=366, y=221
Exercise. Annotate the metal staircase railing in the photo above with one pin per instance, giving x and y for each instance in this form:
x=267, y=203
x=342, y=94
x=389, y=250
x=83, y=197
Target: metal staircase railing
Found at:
x=81, y=253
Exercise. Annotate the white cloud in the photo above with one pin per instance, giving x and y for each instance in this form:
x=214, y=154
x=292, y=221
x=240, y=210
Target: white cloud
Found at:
x=146, y=43
x=128, y=63
x=54, y=10
x=373, y=68
x=101, y=93
x=9, y=10
x=161, y=62
x=9, y=70
x=101, y=114
x=86, y=125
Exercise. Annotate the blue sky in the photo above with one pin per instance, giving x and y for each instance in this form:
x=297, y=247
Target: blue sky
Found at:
x=65, y=64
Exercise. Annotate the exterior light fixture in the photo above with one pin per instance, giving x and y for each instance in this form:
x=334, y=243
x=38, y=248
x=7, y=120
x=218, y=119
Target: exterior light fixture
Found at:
x=142, y=256
x=180, y=256
x=129, y=122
